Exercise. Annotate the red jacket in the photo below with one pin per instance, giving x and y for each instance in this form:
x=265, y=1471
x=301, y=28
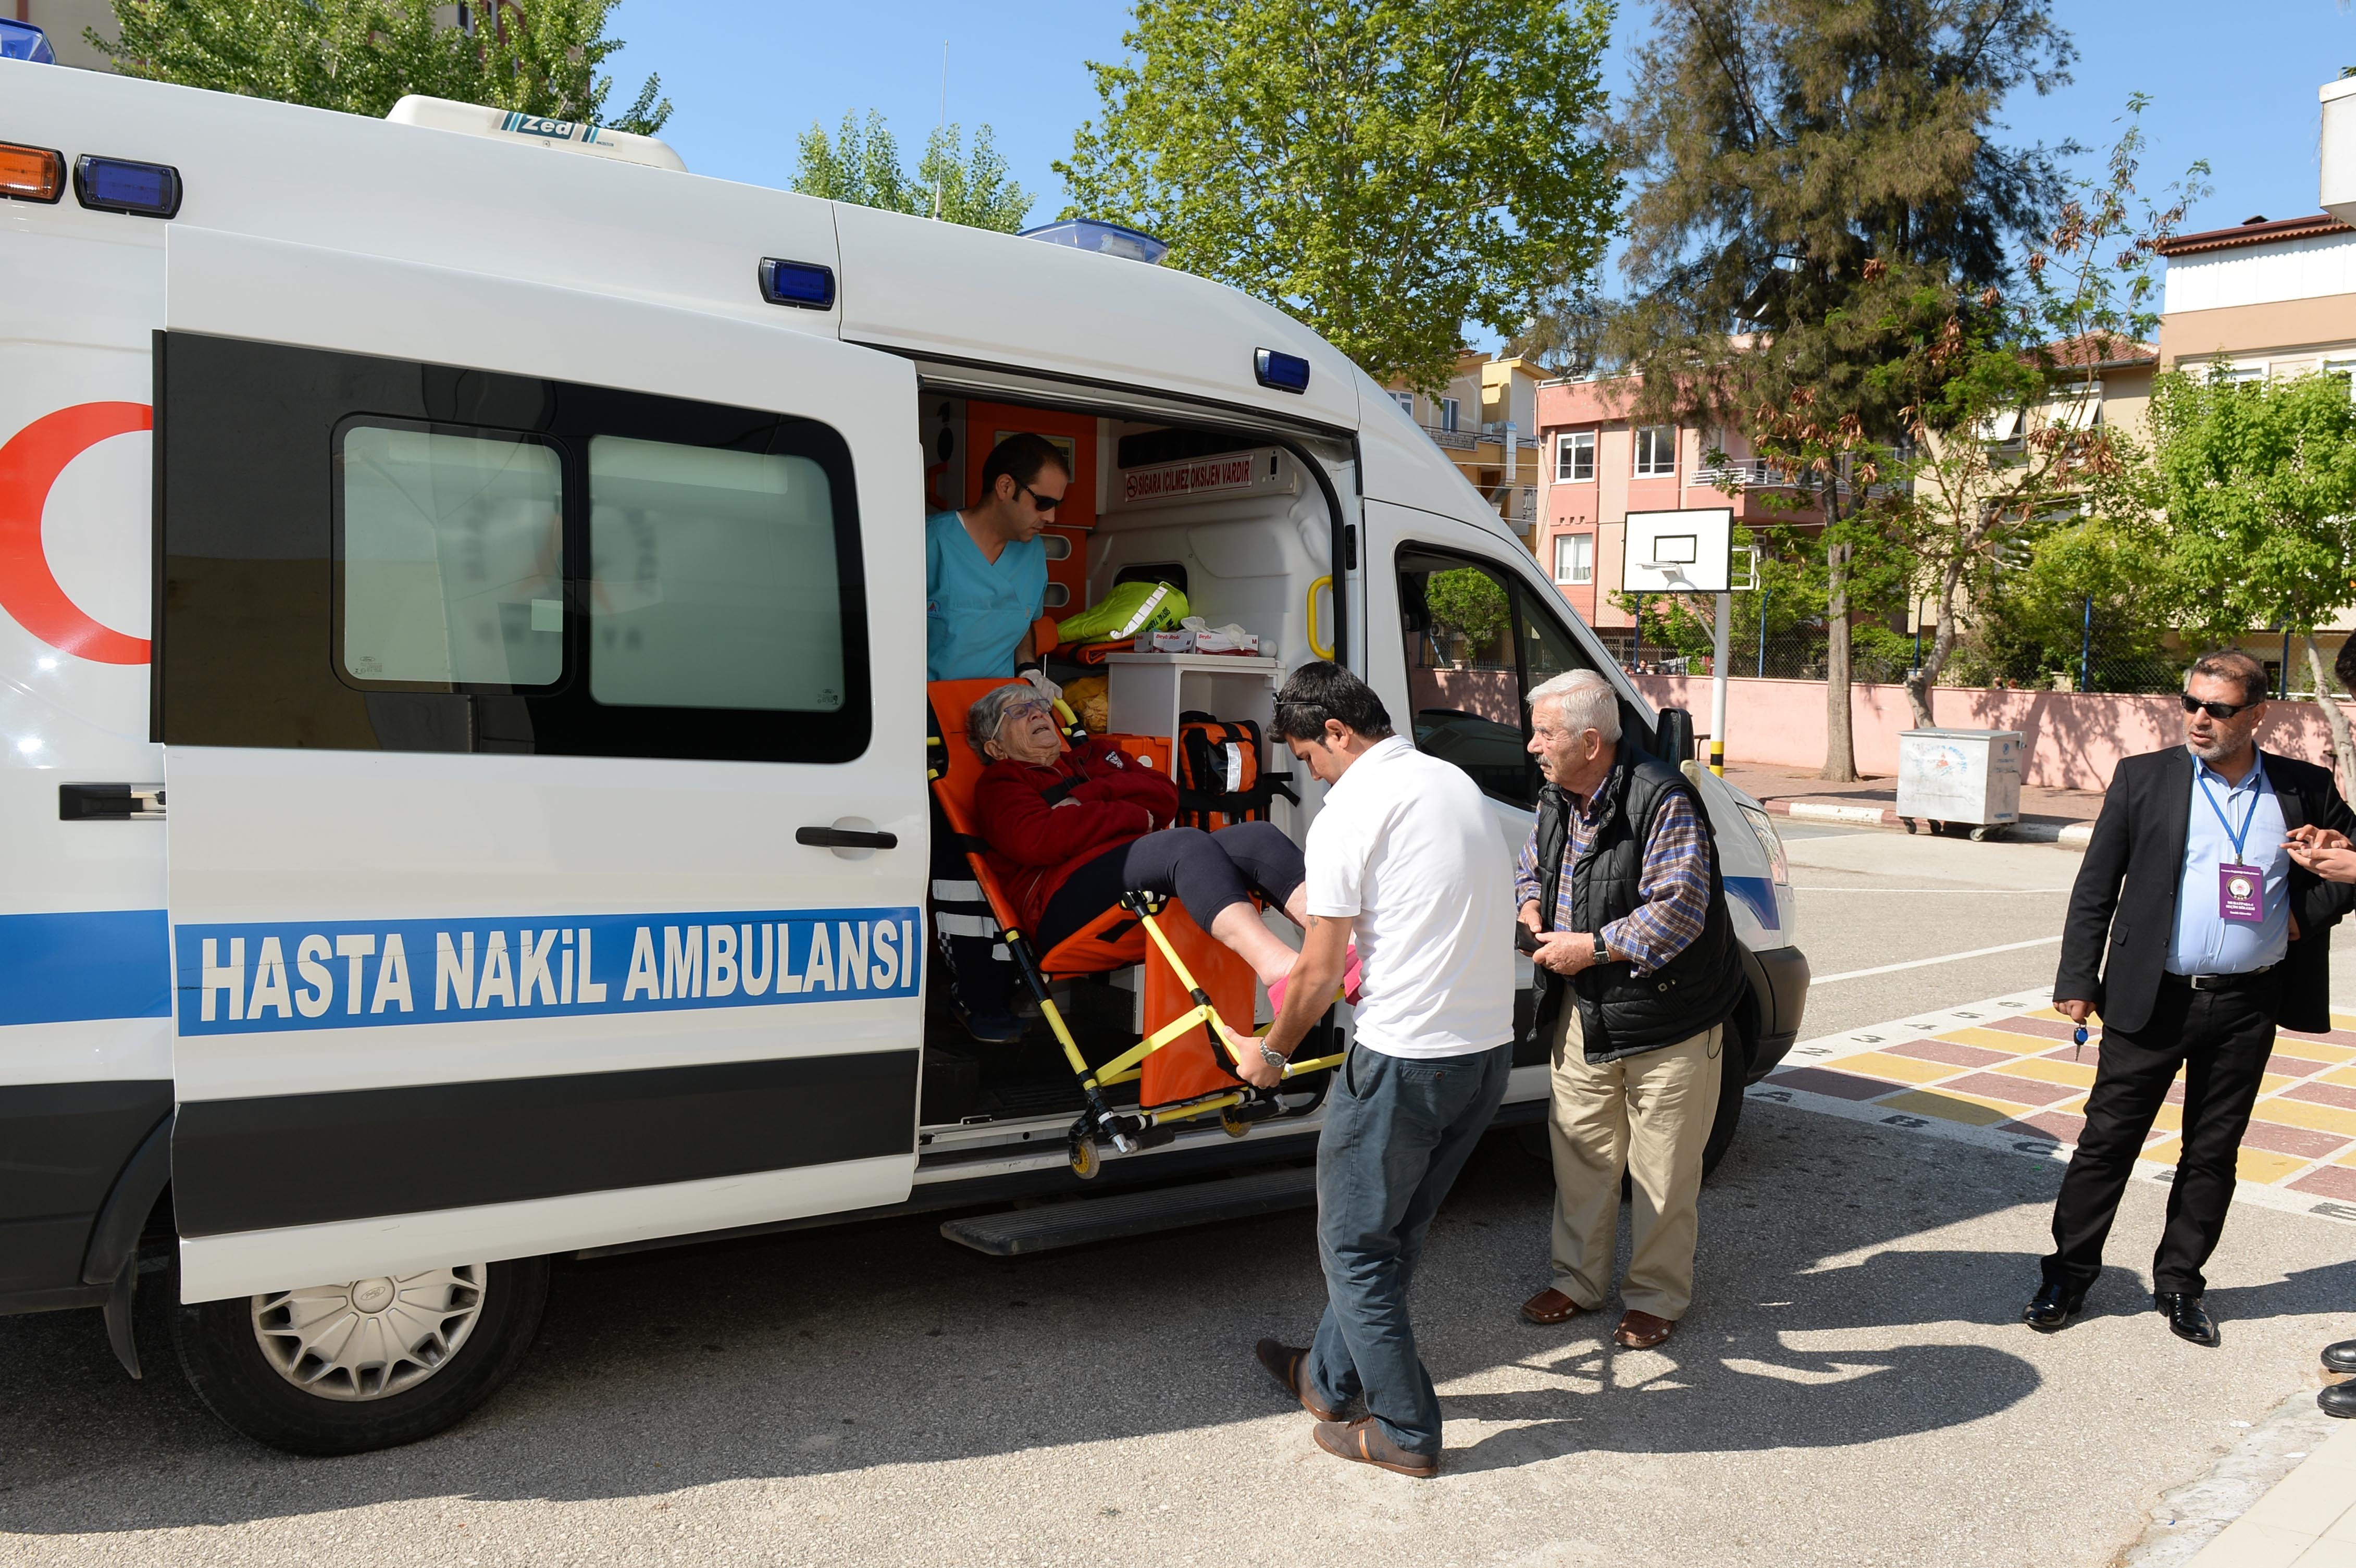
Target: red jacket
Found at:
x=1036, y=843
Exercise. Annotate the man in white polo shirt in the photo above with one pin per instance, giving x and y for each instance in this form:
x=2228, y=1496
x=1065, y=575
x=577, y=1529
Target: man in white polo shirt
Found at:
x=1404, y=857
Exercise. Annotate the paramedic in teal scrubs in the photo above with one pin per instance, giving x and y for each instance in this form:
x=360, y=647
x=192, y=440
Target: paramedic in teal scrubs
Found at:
x=985, y=583
x=986, y=571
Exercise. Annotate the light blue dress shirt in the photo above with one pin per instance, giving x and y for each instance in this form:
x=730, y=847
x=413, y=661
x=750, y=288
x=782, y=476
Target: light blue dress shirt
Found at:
x=2204, y=941
x=976, y=609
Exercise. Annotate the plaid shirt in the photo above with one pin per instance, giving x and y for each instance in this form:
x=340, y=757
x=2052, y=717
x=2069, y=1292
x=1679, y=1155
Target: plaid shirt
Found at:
x=1674, y=886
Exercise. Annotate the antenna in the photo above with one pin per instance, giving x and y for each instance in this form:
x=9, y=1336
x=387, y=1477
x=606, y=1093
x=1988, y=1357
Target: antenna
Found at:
x=941, y=127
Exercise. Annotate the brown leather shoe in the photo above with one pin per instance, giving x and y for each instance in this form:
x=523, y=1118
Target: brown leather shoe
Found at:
x=1289, y=1367
x=1363, y=1442
x=1642, y=1330
x=1550, y=1307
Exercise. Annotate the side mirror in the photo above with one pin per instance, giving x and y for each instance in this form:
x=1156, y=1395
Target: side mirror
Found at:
x=1672, y=736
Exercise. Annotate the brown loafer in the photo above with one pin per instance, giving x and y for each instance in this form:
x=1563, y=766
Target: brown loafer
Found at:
x=1642, y=1330
x=1363, y=1442
x=1289, y=1367
x=1550, y=1307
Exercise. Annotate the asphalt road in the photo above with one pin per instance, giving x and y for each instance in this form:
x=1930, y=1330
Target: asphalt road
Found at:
x=1850, y=1387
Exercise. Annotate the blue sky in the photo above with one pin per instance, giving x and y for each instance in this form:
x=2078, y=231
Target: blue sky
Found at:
x=2233, y=84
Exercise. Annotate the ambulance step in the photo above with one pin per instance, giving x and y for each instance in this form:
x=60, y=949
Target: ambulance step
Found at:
x=1083, y=1220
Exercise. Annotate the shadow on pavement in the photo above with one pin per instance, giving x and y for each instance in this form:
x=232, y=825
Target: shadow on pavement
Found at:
x=830, y=1351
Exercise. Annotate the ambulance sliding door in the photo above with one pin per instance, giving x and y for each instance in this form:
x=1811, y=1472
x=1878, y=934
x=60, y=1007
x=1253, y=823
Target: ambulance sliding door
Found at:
x=537, y=675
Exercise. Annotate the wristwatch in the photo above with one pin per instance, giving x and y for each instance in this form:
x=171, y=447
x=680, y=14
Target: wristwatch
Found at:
x=1603, y=954
x=1271, y=1058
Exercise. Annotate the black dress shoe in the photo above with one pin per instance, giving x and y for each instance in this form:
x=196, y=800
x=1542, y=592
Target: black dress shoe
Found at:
x=2337, y=1399
x=2187, y=1319
x=2053, y=1308
x=2340, y=1358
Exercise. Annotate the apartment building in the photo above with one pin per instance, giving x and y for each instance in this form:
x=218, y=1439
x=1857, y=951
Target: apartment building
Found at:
x=1600, y=464
x=1486, y=418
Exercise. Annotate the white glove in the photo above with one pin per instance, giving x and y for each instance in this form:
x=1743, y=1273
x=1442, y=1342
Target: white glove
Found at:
x=1045, y=688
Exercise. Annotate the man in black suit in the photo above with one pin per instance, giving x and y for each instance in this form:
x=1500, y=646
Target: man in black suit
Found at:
x=2214, y=936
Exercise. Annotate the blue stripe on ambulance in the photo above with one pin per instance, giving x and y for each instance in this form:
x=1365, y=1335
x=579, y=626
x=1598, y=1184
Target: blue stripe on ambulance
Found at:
x=315, y=975
x=1758, y=893
x=103, y=964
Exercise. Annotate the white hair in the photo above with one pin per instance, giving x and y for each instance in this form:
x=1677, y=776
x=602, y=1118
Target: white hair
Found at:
x=1583, y=700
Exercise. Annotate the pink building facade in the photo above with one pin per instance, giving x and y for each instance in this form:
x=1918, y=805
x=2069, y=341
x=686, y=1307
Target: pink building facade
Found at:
x=1596, y=465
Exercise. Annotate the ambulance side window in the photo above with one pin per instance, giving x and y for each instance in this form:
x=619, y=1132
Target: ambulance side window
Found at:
x=450, y=559
x=712, y=579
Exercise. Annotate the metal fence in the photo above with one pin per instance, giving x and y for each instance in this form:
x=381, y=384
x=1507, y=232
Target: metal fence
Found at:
x=1800, y=655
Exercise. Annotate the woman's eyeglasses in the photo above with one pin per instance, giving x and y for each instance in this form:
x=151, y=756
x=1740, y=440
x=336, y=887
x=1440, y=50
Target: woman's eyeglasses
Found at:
x=2215, y=709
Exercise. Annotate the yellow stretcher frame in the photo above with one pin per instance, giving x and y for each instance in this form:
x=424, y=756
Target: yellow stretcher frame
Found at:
x=1121, y=1127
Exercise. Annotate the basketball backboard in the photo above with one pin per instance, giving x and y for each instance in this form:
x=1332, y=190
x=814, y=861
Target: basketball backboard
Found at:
x=1678, y=552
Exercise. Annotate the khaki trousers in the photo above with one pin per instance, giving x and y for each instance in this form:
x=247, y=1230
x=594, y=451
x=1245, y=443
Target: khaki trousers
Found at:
x=1649, y=1113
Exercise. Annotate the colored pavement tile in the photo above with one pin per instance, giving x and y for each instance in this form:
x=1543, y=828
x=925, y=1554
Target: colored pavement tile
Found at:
x=2262, y=1166
x=2048, y=1125
x=2307, y=1143
x=1949, y=1050
x=2055, y=1028
x=1898, y=1069
x=2323, y=1094
x=2294, y=1066
x=2307, y=1114
x=2328, y=1181
x=2005, y=1040
x=2077, y=1074
x=1823, y=1080
x=1951, y=1107
x=2010, y=1087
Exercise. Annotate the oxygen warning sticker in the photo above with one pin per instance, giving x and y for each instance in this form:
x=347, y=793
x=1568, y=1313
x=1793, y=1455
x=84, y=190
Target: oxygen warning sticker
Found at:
x=240, y=980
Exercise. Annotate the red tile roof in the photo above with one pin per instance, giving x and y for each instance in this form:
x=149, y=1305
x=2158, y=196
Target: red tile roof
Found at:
x=2258, y=233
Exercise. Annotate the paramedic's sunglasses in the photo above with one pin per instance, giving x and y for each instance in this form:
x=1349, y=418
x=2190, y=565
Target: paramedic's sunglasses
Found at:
x=1044, y=503
x=2215, y=709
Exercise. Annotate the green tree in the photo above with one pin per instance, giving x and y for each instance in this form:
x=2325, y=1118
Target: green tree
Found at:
x=1387, y=171
x=860, y=165
x=1470, y=604
x=2083, y=301
x=363, y=56
x=2257, y=483
x=1818, y=183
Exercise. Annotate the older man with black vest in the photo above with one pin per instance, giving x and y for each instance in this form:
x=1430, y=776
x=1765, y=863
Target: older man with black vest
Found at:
x=1637, y=971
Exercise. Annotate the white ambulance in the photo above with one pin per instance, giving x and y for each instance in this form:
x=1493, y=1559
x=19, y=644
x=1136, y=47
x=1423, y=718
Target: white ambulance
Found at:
x=462, y=707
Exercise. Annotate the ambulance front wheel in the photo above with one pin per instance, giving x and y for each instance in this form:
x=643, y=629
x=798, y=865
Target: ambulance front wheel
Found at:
x=371, y=1363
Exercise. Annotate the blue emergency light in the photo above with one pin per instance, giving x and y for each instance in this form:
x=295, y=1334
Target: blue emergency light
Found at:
x=118, y=184
x=805, y=285
x=1284, y=372
x=24, y=41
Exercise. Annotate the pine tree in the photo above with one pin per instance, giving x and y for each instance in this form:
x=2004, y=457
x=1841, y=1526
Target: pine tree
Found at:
x=1818, y=188
x=860, y=165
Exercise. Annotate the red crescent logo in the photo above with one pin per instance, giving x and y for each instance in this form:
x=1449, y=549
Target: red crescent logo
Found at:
x=29, y=465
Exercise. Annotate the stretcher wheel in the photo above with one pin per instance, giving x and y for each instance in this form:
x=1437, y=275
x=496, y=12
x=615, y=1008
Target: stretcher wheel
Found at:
x=1085, y=1163
x=1233, y=1125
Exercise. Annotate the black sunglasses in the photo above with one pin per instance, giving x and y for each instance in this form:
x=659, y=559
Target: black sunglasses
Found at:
x=2215, y=709
x=1044, y=503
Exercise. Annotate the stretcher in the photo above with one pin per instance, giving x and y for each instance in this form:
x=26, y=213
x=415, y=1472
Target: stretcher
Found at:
x=1130, y=932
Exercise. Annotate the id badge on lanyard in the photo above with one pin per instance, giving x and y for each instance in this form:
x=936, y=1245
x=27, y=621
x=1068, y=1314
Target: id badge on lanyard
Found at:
x=2241, y=890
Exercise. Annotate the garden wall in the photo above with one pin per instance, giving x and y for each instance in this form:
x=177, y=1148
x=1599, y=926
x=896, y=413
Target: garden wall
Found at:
x=2074, y=738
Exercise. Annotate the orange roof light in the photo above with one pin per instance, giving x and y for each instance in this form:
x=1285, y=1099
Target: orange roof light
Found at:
x=30, y=174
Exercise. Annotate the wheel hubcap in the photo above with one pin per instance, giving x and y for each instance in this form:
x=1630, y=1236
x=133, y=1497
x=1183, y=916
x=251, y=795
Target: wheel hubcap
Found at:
x=370, y=1338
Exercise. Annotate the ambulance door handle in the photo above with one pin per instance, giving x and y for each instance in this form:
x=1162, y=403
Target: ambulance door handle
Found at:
x=846, y=838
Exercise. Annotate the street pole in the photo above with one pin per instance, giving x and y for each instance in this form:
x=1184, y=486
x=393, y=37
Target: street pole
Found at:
x=2286, y=665
x=2086, y=648
x=1765, y=593
x=1717, y=685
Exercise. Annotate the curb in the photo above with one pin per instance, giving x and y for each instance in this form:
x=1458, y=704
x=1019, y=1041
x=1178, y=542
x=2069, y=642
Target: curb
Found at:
x=2070, y=836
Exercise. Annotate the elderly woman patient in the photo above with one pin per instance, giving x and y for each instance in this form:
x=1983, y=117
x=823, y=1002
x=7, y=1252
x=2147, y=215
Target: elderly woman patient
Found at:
x=1069, y=833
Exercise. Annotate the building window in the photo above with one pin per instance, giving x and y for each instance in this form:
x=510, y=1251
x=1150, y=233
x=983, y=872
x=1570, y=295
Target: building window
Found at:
x=1574, y=558
x=2343, y=368
x=2237, y=375
x=1448, y=413
x=1406, y=401
x=1575, y=456
x=1657, y=450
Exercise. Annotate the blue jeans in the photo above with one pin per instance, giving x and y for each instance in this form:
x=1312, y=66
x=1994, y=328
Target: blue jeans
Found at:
x=1397, y=1129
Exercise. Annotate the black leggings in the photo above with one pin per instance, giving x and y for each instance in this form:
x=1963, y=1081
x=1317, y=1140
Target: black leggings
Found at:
x=1206, y=870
